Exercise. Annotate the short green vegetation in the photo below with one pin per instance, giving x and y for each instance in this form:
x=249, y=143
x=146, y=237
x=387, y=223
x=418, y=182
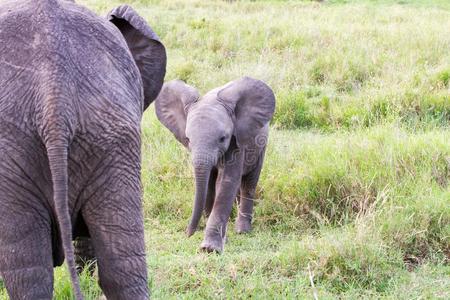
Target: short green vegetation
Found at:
x=354, y=199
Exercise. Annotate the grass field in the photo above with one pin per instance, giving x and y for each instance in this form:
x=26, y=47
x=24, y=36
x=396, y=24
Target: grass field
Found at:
x=354, y=199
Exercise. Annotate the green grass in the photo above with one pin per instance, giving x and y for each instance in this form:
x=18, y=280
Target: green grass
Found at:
x=354, y=198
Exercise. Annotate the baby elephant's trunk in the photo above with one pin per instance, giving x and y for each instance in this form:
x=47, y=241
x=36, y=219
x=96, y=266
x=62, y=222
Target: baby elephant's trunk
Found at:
x=202, y=168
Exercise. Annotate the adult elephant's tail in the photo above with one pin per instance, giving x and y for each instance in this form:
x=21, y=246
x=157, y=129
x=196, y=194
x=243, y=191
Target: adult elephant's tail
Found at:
x=57, y=124
x=58, y=157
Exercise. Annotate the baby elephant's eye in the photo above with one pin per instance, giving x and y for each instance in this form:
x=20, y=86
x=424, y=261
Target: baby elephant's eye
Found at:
x=187, y=141
x=222, y=139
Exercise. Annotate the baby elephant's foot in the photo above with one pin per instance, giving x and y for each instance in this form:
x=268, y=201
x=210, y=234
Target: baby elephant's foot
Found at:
x=243, y=225
x=212, y=245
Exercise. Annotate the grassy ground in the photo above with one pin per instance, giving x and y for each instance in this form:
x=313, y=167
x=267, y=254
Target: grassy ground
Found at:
x=354, y=199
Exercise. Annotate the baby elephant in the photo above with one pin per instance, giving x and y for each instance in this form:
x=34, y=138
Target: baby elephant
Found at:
x=226, y=131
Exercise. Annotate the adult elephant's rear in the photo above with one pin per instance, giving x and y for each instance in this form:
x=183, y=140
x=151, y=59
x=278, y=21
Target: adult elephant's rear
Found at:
x=73, y=88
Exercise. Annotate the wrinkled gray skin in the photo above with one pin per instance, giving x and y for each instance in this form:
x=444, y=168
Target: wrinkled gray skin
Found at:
x=73, y=87
x=226, y=132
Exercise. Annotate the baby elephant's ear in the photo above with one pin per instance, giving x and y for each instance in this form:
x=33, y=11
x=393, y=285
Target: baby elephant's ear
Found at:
x=147, y=50
x=253, y=103
x=172, y=106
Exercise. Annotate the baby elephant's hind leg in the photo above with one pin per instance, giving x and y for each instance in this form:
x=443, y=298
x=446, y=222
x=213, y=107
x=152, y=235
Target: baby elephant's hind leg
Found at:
x=245, y=214
x=247, y=200
x=211, y=192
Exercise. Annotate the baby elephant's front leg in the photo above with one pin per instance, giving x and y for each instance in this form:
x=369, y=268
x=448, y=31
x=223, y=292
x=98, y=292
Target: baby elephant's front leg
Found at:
x=228, y=184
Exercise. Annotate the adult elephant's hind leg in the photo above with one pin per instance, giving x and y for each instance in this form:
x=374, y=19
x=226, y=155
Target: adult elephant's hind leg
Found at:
x=26, y=262
x=114, y=218
x=26, y=259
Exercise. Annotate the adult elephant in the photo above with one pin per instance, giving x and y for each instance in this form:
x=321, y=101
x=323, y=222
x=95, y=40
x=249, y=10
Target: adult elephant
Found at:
x=73, y=87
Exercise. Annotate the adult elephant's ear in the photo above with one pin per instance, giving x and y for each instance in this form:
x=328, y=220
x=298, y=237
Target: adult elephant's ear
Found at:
x=147, y=50
x=253, y=104
x=172, y=106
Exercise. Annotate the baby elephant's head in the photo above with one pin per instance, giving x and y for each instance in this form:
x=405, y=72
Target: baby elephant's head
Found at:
x=233, y=113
